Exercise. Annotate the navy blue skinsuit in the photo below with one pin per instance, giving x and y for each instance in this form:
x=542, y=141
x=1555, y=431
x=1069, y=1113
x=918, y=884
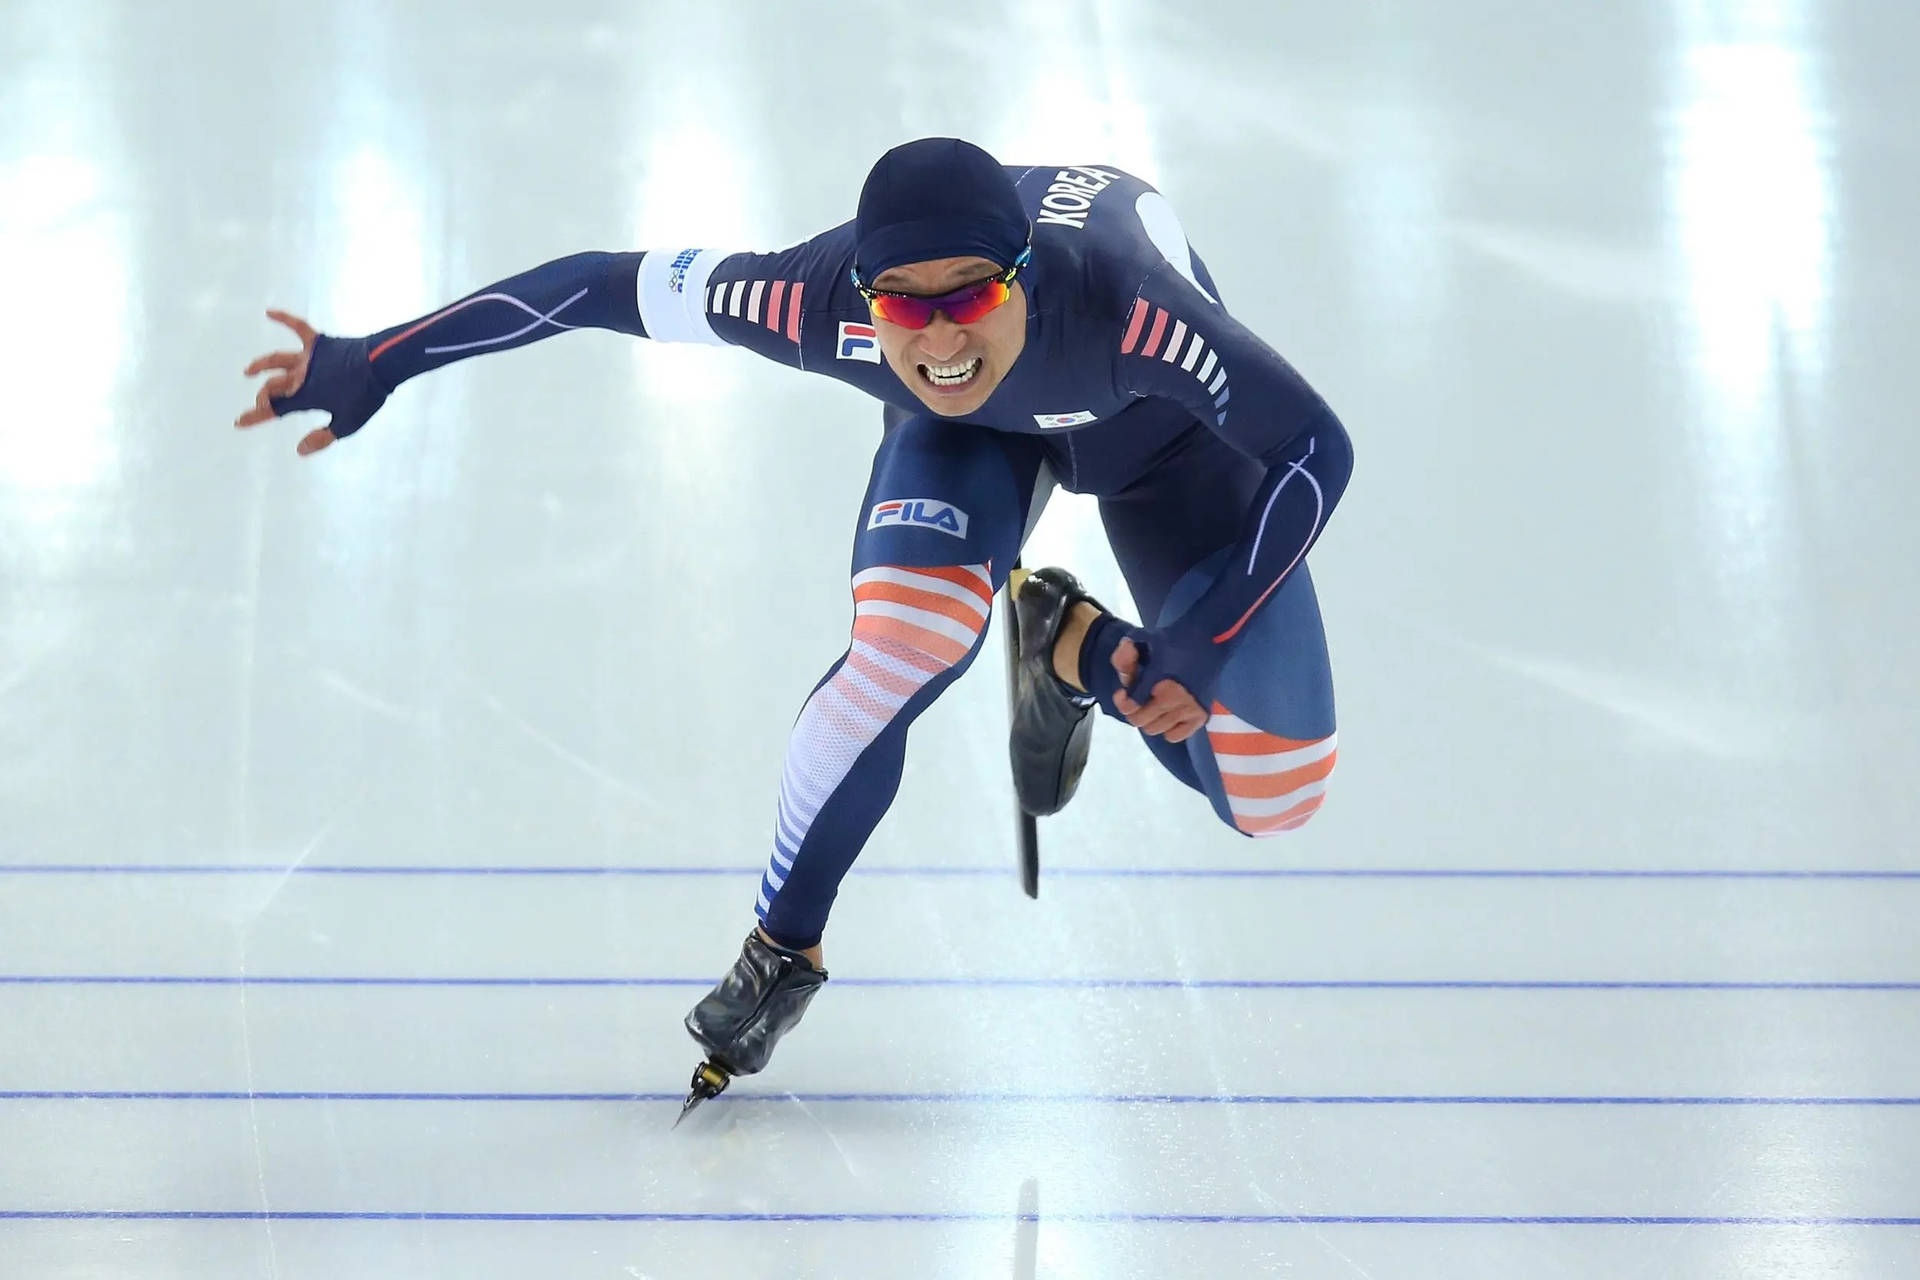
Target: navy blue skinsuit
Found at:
x=1216, y=467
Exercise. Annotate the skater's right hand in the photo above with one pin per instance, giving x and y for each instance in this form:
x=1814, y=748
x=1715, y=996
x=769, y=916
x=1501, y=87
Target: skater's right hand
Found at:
x=333, y=374
x=1169, y=710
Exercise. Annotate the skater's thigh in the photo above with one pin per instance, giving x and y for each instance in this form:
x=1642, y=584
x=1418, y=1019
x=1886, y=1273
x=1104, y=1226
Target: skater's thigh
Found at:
x=945, y=493
x=1268, y=747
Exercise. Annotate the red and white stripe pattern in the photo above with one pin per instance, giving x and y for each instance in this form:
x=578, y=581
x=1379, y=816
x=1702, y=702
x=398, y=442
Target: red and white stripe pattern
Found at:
x=1273, y=784
x=1179, y=346
x=773, y=303
x=909, y=626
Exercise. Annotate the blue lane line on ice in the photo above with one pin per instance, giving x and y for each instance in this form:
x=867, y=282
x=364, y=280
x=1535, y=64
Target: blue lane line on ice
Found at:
x=995, y=872
x=968, y=1098
x=1076, y=984
x=1265, y=1219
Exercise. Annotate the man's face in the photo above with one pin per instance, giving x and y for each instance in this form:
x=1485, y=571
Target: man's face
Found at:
x=952, y=368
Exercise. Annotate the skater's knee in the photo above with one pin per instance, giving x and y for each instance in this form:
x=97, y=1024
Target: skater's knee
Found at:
x=1270, y=784
x=912, y=623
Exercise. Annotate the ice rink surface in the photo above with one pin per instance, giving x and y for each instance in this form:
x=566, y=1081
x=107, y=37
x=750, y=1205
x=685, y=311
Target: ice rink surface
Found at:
x=368, y=821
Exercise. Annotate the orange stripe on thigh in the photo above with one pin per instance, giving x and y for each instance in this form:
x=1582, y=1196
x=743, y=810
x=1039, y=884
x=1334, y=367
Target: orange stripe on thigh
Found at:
x=1267, y=785
x=1256, y=744
x=1243, y=739
x=945, y=606
x=960, y=577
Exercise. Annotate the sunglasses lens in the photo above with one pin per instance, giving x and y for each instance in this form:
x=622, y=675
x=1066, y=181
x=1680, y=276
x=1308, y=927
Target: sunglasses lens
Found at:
x=963, y=306
x=908, y=313
x=985, y=297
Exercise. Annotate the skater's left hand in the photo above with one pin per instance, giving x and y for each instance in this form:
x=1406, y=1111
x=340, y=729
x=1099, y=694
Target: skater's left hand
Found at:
x=1169, y=709
x=334, y=374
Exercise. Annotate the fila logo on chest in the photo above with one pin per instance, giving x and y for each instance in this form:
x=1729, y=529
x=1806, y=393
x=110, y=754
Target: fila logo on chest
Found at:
x=858, y=342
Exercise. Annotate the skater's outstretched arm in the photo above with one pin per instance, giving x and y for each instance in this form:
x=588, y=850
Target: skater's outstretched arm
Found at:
x=669, y=295
x=350, y=378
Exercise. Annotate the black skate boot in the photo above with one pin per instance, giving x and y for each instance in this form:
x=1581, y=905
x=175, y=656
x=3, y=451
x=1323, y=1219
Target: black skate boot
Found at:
x=740, y=1020
x=1052, y=721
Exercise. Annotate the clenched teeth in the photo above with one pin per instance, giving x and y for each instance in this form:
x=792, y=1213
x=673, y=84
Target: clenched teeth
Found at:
x=951, y=375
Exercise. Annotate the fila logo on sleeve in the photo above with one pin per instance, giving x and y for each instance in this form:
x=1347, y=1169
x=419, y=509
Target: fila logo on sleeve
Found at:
x=919, y=513
x=858, y=342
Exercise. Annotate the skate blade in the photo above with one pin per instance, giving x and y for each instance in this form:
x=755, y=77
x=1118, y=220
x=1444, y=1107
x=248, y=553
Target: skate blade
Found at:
x=709, y=1081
